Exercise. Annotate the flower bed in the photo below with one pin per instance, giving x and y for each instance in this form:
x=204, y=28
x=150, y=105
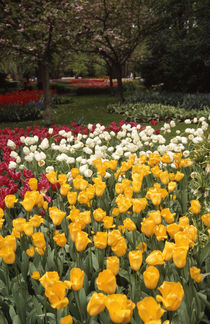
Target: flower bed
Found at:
x=104, y=225
x=21, y=105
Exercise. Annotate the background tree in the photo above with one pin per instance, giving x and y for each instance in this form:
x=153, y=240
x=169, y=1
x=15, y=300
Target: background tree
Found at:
x=37, y=29
x=179, y=46
x=112, y=29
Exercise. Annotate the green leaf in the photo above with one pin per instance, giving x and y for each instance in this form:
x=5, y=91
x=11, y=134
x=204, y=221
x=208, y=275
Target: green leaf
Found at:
x=204, y=253
x=16, y=320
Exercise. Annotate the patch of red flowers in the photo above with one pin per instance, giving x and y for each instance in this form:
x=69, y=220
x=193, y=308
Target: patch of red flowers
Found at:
x=21, y=98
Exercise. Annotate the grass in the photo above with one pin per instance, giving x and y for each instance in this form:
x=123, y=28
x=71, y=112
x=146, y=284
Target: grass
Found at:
x=91, y=109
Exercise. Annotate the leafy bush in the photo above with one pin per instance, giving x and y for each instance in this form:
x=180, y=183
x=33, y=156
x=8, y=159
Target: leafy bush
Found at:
x=144, y=112
x=13, y=113
x=177, y=99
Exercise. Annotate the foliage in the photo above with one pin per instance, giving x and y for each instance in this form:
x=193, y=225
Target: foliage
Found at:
x=54, y=256
x=182, y=28
x=187, y=101
x=144, y=112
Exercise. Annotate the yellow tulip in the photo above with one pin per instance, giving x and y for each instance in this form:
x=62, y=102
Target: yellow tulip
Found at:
x=123, y=203
x=155, y=216
x=164, y=177
x=129, y=224
x=151, y=277
x=83, y=198
x=10, y=200
x=56, y=295
x=139, y=204
x=10, y=241
x=84, y=217
x=100, y=188
x=115, y=212
x=156, y=171
x=106, y=281
x=81, y=241
x=64, y=189
x=7, y=254
x=172, y=229
x=195, y=206
x=74, y=228
x=74, y=215
x=206, y=219
x=99, y=214
x=195, y=274
x=56, y=215
x=18, y=224
x=165, y=158
x=135, y=259
x=100, y=240
x=160, y=232
x=62, y=178
x=120, y=308
x=28, y=228
x=114, y=237
x=67, y=320
x=28, y=204
x=30, y=252
x=120, y=248
x=74, y=172
x=180, y=256
x=172, y=295
x=167, y=215
x=1, y=212
x=96, y=304
x=142, y=246
x=33, y=183
x=52, y=177
x=39, y=240
x=168, y=250
x=49, y=278
x=113, y=264
x=182, y=239
x=148, y=226
x=60, y=239
x=171, y=186
x=155, y=198
x=108, y=222
x=149, y=310
x=155, y=258
x=72, y=197
x=179, y=176
x=77, y=277
x=35, y=275
x=36, y=220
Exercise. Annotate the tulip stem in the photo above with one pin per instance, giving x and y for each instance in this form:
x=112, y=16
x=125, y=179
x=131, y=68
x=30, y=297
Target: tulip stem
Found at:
x=76, y=295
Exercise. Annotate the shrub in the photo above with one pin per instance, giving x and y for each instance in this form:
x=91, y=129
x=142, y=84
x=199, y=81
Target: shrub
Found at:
x=177, y=99
x=144, y=112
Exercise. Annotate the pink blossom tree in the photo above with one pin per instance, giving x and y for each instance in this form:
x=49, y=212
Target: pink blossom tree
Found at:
x=112, y=29
x=37, y=29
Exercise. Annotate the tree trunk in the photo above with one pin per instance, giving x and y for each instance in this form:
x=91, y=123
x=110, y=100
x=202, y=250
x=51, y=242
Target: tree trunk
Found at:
x=119, y=83
x=47, y=95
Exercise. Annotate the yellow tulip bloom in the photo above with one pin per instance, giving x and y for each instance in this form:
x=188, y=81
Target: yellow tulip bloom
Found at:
x=106, y=281
x=172, y=295
x=151, y=277
x=149, y=310
x=77, y=277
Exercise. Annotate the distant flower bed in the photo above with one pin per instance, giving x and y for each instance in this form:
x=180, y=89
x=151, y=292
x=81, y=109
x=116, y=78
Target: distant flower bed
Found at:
x=91, y=83
x=21, y=105
x=21, y=98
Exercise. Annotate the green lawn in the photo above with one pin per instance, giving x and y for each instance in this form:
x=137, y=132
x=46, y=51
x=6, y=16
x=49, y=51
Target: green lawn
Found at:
x=92, y=109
